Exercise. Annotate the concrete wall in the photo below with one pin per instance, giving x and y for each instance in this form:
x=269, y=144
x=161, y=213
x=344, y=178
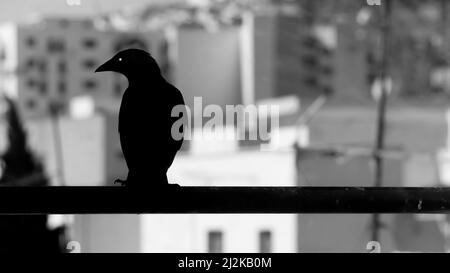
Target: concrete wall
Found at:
x=414, y=129
x=343, y=233
x=107, y=233
x=189, y=233
x=208, y=66
x=91, y=149
x=264, y=53
x=350, y=79
x=83, y=152
x=8, y=44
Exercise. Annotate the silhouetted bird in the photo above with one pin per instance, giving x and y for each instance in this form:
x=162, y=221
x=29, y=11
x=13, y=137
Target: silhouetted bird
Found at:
x=145, y=120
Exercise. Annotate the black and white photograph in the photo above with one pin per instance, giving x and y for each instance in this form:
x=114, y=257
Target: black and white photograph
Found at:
x=241, y=127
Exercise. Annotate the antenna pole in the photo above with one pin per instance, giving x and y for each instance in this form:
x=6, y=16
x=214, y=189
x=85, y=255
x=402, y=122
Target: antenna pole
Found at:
x=381, y=108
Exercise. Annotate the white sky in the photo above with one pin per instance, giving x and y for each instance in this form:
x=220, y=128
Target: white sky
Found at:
x=20, y=10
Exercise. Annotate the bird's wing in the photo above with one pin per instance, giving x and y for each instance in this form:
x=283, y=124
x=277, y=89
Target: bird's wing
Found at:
x=145, y=125
x=176, y=99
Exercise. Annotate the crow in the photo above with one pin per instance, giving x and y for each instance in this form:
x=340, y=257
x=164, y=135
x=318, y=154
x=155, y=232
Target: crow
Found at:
x=145, y=118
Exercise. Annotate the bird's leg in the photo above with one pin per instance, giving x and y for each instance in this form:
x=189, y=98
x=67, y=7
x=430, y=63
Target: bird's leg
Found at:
x=131, y=178
x=120, y=181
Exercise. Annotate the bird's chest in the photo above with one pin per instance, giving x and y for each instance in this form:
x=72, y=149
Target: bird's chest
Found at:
x=141, y=111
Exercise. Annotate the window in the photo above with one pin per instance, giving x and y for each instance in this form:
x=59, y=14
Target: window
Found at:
x=90, y=64
x=87, y=24
x=31, y=104
x=31, y=83
x=64, y=23
x=310, y=60
x=310, y=42
x=325, y=51
x=215, y=244
x=371, y=59
x=43, y=88
x=62, y=88
x=62, y=67
x=311, y=81
x=327, y=70
x=128, y=42
x=371, y=77
x=89, y=43
x=42, y=66
x=327, y=90
x=265, y=241
x=2, y=54
x=89, y=84
x=30, y=63
x=55, y=45
x=30, y=42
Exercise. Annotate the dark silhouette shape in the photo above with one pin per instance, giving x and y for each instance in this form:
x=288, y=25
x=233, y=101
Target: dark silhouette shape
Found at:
x=18, y=161
x=145, y=120
x=19, y=233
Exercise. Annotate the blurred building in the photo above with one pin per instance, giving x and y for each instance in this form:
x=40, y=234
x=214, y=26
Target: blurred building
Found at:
x=272, y=55
x=268, y=56
x=207, y=65
x=339, y=57
x=92, y=157
x=90, y=148
x=53, y=60
x=416, y=144
x=352, y=67
x=410, y=162
x=199, y=232
x=203, y=166
x=285, y=54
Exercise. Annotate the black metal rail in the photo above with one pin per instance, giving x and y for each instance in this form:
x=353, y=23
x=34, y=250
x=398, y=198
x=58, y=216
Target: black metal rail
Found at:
x=320, y=200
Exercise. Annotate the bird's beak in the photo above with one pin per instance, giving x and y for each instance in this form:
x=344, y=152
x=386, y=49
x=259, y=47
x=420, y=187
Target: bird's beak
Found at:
x=108, y=66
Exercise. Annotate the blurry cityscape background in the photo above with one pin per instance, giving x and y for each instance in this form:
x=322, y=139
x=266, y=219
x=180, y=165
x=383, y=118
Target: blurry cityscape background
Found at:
x=316, y=59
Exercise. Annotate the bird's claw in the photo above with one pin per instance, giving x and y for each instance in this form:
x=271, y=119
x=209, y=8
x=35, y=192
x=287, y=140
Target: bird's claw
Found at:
x=120, y=181
x=165, y=187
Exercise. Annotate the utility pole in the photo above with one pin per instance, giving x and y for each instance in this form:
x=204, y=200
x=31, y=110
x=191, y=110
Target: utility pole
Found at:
x=445, y=32
x=55, y=109
x=381, y=107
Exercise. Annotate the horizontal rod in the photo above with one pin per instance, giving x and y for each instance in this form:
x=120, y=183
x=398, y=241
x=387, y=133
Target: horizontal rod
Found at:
x=120, y=200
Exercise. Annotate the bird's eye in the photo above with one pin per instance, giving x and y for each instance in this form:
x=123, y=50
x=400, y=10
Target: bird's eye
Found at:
x=120, y=59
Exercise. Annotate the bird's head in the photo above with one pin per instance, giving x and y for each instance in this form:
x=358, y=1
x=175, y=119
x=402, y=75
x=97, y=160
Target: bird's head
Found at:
x=132, y=63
